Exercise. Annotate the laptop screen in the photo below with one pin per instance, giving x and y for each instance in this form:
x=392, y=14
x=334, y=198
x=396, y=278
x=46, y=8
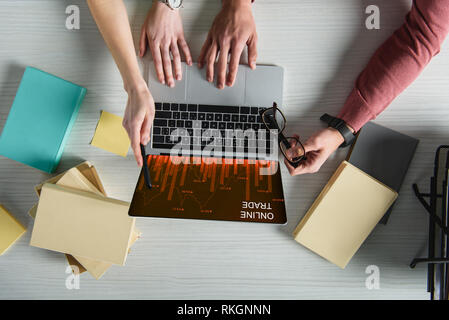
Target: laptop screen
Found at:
x=211, y=189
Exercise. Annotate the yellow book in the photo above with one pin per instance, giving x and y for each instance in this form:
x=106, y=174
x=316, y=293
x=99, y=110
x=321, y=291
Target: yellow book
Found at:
x=82, y=224
x=10, y=230
x=344, y=214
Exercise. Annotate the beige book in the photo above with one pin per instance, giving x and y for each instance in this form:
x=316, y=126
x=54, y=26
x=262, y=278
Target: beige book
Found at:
x=82, y=224
x=75, y=179
x=98, y=268
x=344, y=214
x=10, y=230
x=86, y=169
x=77, y=268
x=32, y=211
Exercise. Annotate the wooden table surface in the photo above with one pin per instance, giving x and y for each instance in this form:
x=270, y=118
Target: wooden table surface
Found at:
x=323, y=45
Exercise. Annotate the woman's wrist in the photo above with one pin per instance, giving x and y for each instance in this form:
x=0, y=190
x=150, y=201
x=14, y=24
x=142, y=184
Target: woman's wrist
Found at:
x=236, y=3
x=158, y=5
x=135, y=86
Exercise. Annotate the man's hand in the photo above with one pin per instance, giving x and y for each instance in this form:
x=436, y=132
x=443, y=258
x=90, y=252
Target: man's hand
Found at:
x=233, y=28
x=138, y=119
x=163, y=32
x=318, y=148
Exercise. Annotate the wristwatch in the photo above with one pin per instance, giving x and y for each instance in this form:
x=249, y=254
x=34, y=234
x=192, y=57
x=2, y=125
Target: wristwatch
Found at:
x=341, y=126
x=173, y=4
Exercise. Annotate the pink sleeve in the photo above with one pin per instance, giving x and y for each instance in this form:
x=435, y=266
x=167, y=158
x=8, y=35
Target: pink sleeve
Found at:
x=398, y=62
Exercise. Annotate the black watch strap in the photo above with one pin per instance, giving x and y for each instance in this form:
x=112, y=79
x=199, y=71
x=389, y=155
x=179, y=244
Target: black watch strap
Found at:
x=339, y=125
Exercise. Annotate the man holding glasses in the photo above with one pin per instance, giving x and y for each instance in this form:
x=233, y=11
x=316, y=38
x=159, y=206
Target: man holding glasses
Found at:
x=393, y=67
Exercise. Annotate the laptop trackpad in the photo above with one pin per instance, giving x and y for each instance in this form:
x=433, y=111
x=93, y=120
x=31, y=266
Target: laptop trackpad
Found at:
x=162, y=92
x=200, y=91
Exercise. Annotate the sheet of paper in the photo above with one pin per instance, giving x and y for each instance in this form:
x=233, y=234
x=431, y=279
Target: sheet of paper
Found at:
x=110, y=134
x=10, y=230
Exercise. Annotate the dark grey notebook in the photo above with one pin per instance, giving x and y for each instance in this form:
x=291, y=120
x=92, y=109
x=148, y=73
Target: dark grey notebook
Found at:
x=384, y=154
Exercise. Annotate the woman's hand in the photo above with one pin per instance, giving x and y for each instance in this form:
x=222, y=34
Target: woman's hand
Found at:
x=318, y=148
x=164, y=34
x=112, y=20
x=233, y=28
x=138, y=118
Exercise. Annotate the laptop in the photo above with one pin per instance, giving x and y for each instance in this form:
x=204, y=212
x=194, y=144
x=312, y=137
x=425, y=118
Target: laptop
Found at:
x=221, y=185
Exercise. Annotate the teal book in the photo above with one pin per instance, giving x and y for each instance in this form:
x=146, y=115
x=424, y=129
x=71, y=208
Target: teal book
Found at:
x=40, y=120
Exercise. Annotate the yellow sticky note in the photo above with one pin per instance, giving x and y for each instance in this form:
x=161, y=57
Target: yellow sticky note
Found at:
x=10, y=230
x=110, y=134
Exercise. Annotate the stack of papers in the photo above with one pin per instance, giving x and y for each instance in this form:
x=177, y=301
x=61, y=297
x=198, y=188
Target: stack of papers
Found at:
x=75, y=217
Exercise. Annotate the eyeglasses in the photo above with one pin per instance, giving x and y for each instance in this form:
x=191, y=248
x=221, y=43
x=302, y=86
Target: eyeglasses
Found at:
x=291, y=148
x=273, y=118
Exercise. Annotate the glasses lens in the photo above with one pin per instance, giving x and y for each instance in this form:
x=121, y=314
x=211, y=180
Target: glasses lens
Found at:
x=274, y=119
x=295, y=153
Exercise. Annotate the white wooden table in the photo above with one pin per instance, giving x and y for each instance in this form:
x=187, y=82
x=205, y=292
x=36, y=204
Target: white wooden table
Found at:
x=323, y=45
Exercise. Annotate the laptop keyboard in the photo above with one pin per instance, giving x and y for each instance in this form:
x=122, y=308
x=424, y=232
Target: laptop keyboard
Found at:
x=209, y=121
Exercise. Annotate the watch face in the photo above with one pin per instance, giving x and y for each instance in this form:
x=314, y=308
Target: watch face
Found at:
x=175, y=3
